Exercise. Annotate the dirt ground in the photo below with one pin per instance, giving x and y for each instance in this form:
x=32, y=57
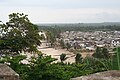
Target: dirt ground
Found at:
x=55, y=53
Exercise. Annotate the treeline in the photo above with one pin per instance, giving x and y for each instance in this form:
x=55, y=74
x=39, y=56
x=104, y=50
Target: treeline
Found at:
x=59, y=28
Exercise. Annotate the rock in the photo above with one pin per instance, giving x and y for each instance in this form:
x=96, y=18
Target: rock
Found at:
x=6, y=73
x=106, y=75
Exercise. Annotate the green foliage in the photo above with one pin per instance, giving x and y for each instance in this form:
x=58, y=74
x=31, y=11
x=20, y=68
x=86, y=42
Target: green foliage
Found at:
x=57, y=28
x=95, y=64
x=116, y=59
x=109, y=62
x=19, y=34
x=98, y=53
x=43, y=68
x=15, y=63
x=39, y=68
x=105, y=53
x=42, y=37
x=62, y=57
x=50, y=37
x=68, y=46
x=62, y=44
x=78, y=58
x=101, y=53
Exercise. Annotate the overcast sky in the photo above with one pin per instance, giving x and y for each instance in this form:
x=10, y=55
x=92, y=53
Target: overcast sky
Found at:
x=63, y=11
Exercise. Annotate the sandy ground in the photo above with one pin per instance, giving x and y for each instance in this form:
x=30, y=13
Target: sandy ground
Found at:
x=55, y=53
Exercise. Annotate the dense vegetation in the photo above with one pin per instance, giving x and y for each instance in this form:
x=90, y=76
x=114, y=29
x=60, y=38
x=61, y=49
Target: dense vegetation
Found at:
x=41, y=68
x=44, y=68
x=19, y=34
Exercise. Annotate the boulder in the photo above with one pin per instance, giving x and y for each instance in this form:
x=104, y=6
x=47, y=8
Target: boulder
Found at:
x=106, y=75
x=6, y=73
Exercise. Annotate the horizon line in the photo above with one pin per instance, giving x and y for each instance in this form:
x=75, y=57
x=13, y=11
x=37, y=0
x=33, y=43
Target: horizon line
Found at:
x=74, y=22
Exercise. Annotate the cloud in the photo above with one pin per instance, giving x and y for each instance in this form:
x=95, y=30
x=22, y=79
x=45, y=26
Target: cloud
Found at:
x=62, y=4
x=47, y=15
x=45, y=11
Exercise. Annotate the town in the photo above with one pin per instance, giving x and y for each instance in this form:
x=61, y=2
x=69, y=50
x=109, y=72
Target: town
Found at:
x=92, y=39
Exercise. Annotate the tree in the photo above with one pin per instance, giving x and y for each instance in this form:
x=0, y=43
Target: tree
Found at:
x=62, y=44
x=62, y=57
x=19, y=34
x=105, y=53
x=98, y=53
x=68, y=46
x=50, y=37
x=101, y=53
x=116, y=59
x=78, y=58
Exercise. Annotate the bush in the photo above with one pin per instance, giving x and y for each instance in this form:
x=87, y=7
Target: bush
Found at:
x=62, y=57
x=78, y=58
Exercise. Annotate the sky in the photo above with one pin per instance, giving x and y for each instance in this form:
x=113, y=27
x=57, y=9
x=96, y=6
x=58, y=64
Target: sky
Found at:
x=63, y=11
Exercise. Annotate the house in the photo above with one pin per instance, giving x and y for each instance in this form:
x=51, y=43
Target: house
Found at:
x=115, y=43
x=100, y=45
x=42, y=34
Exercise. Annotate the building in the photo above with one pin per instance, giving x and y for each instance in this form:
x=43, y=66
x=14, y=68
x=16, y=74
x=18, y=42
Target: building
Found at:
x=115, y=43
